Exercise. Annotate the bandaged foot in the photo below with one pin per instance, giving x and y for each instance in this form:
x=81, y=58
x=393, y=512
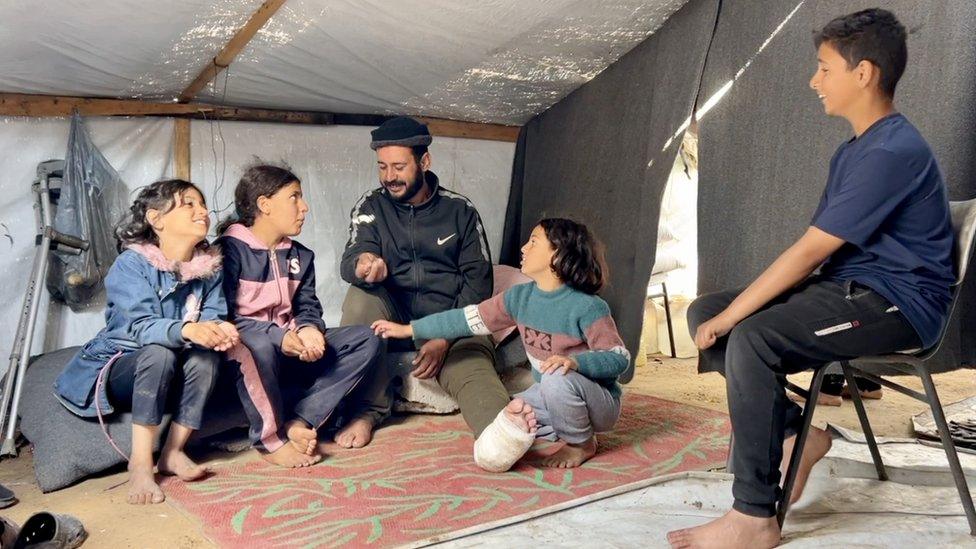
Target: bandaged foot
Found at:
x=507, y=438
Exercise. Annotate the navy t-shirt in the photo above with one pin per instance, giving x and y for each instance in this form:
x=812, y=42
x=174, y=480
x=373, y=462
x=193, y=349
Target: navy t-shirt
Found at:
x=886, y=199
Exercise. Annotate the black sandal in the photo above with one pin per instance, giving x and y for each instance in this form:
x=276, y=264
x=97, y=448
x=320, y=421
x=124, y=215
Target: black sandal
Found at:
x=7, y=497
x=8, y=532
x=51, y=531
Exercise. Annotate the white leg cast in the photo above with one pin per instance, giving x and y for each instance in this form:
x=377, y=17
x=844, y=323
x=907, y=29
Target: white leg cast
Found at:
x=501, y=444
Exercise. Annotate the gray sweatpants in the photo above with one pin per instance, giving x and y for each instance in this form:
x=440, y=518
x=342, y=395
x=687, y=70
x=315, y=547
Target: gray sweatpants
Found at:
x=571, y=407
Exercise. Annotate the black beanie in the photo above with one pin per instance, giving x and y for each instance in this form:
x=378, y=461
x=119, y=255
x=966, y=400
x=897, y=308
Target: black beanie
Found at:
x=401, y=131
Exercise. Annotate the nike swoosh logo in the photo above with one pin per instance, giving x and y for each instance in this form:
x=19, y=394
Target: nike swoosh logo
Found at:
x=442, y=241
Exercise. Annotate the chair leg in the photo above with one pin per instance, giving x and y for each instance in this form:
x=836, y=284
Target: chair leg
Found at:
x=950, y=448
x=862, y=416
x=667, y=316
x=801, y=440
x=728, y=461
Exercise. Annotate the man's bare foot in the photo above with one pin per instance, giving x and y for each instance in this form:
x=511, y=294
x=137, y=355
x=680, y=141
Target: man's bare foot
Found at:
x=302, y=437
x=142, y=485
x=822, y=400
x=288, y=456
x=176, y=462
x=571, y=455
x=357, y=434
x=522, y=415
x=731, y=530
x=817, y=446
x=874, y=394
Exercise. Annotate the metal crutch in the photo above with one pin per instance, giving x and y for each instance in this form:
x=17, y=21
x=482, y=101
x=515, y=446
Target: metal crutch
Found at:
x=48, y=239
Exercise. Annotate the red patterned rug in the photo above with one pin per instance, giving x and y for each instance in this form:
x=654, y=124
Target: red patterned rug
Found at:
x=417, y=481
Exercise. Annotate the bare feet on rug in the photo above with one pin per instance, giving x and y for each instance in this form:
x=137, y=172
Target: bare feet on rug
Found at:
x=302, y=437
x=817, y=446
x=142, y=485
x=730, y=531
x=522, y=415
x=571, y=455
x=357, y=434
x=288, y=456
x=177, y=463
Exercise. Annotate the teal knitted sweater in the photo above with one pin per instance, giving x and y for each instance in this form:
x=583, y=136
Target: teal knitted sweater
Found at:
x=563, y=322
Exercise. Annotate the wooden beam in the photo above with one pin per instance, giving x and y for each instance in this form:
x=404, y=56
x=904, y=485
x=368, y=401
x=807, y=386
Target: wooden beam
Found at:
x=12, y=104
x=15, y=104
x=470, y=130
x=230, y=51
x=181, y=148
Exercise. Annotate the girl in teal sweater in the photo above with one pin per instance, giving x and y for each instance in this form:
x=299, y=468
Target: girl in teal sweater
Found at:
x=570, y=339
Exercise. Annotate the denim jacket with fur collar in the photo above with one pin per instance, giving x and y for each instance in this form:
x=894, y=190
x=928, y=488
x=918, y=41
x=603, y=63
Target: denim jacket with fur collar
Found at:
x=149, y=299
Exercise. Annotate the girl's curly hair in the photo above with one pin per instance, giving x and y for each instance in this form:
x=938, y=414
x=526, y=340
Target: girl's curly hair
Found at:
x=161, y=195
x=579, y=260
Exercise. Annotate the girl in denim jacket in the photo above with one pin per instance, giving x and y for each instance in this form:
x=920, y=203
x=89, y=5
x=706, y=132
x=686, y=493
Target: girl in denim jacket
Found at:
x=163, y=330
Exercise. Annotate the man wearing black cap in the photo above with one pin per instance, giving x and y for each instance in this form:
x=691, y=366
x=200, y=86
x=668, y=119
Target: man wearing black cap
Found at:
x=414, y=249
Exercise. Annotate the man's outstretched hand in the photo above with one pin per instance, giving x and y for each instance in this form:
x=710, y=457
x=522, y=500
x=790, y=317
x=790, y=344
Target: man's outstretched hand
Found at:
x=371, y=268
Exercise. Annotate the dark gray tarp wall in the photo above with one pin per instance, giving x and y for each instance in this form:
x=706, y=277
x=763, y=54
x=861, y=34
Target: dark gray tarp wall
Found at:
x=764, y=149
x=596, y=156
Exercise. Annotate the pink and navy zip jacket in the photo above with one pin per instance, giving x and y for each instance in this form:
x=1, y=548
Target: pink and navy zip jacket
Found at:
x=268, y=291
x=563, y=322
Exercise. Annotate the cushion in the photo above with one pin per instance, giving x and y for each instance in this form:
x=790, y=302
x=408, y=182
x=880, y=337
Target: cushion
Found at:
x=67, y=448
x=427, y=396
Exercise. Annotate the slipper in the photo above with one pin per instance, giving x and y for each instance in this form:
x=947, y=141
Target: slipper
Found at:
x=8, y=532
x=7, y=497
x=501, y=444
x=51, y=531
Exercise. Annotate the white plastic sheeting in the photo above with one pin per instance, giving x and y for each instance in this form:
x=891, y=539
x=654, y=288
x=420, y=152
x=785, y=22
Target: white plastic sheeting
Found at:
x=335, y=163
x=337, y=166
x=139, y=149
x=488, y=60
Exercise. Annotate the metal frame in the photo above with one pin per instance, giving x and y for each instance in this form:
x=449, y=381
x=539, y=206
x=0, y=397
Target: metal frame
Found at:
x=964, y=225
x=667, y=314
x=48, y=239
x=931, y=397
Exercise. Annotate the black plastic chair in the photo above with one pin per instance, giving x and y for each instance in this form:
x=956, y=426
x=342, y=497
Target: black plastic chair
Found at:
x=909, y=362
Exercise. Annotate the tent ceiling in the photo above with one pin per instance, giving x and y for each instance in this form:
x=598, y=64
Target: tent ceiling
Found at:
x=500, y=61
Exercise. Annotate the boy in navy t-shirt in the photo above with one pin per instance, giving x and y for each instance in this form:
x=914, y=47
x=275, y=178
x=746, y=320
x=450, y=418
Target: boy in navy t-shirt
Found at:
x=882, y=238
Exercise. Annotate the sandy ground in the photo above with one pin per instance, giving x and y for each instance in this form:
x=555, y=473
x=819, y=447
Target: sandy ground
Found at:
x=100, y=502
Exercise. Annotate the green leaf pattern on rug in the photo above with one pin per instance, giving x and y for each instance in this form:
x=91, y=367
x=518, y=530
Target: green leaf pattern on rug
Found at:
x=416, y=481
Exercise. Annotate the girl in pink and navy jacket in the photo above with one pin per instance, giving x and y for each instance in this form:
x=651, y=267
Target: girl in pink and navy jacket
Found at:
x=285, y=349
x=569, y=336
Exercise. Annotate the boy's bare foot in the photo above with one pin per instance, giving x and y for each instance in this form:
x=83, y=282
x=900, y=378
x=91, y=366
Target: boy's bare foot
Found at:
x=822, y=400
x=817, y=446
x=522, y=415
x=177, y=463
x=571, y=455
x=731, y=530
x=142, y=485
x=288, y=456
x=357, y=434
x=302, y=437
